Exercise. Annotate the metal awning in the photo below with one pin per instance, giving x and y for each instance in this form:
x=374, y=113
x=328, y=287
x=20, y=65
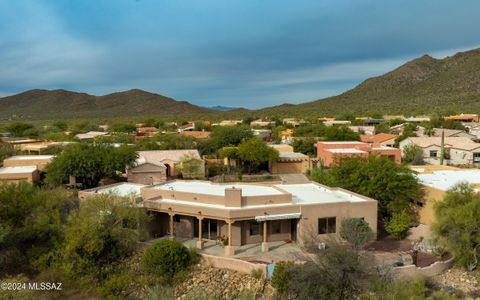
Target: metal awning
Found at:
x=278, y=217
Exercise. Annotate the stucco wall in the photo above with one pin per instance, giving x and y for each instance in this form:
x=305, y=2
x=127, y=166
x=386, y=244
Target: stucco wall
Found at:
x=412, y=271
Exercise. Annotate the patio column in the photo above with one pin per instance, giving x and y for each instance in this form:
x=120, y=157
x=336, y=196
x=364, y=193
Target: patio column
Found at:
x=171, y=236
x=265, y=243
x=229, y=249
x=200, y=241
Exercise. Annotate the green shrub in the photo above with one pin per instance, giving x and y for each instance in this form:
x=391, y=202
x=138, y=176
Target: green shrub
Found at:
x=398, y=225
x=281, y=277
x=166, y=258
x=256, y=273
x=194, y=256
x=159, y=292
x=116, y=286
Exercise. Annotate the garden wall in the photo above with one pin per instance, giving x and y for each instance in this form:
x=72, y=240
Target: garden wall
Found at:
x=231, y=264
x=412, y=271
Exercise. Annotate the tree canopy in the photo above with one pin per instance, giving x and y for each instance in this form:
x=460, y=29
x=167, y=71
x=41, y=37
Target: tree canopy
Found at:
x=89, y=163
x=391, y=184
x=254, y=152
x=457, y=224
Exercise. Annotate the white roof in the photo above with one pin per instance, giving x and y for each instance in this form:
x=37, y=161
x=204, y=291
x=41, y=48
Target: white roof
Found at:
x=291, y=154
x=346, y=150
x=310, y=193
x=342, y=142
x=30, y=157
x=122, y=190
x=209, y=188
x=18, y=170
x=444, y=180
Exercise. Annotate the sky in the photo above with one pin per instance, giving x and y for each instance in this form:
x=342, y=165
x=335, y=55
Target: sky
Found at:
x=238, y=53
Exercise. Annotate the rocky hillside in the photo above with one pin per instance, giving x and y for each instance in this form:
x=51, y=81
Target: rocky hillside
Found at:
x=56, y=104
x=420, y=86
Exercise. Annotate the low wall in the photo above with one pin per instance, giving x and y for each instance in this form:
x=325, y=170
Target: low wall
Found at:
x=231, y=264
x=412, y=271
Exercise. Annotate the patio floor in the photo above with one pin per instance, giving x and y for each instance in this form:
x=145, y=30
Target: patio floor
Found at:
x=252, y=252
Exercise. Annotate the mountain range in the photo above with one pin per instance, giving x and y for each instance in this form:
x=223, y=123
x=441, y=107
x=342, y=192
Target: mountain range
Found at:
x=423, y=85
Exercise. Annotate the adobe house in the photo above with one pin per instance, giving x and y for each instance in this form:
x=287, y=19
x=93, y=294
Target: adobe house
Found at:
x=457, y=150
x=154, y=167
x=39, y=161
x=16, y=174
x=290, y=163
x=435, y=181
x=328, y=152
x=122, y=189
x=254, y=213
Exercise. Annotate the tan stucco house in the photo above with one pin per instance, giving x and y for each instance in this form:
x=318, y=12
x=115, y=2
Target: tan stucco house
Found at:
x=253, y=213
x=154, y=167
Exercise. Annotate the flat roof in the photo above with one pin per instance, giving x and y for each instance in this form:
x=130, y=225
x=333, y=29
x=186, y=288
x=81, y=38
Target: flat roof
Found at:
x=292, y=154
x=346, y=150
x=123, y=189
x=446, y=179
x=310, y=193
x=342, y=142
x=216, y=189
x=18, y=170
x=30, y=157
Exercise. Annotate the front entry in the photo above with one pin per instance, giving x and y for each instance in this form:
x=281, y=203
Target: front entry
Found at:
x=293, y=229
x=209, y=229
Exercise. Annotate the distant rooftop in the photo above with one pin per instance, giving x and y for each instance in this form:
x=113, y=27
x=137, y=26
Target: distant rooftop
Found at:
x=30, y=157
x=342, y=142
x=291, y=155
x=18, y=170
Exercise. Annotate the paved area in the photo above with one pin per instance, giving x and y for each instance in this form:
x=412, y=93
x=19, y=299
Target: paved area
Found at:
x=252, y=252
x=294, y=178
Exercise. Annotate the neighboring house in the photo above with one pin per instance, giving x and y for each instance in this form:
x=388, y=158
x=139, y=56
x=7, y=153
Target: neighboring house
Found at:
x=458, y=150
x=435, y=181
x=228, y=123
x=380, y=140
x=37, y=148
x=262, y=133
x=190, y=126
x=293, y=122
x=197, y=134
x=282, y=147
x=17, y=174
x=123, y=189
x=337, y=123
x=394, y=117
x=254, y=213
x=91, y=135
x=146, y=132
x=328, y=152
x=37, y=161
x=262, y=123
x=325, y=119
x=290, y=163
x=370, y=122
x=366, y=130
x=18, y=142
x=447, y=132
x=153, y=167
x=418, y=119
x=464, y=118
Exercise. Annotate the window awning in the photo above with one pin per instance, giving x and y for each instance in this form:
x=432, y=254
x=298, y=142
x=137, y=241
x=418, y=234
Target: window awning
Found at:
x=278, y=217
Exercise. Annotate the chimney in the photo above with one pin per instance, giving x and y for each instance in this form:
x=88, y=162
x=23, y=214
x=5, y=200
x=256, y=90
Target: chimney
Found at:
x=233, y=197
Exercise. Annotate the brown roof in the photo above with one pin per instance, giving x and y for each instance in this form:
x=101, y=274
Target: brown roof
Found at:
x=189, y=124
x=378, y=138
x=197, y=134
x=146, y=129
x=462, y=143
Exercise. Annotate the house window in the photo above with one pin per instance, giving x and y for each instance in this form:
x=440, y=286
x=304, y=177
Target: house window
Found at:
x=327, y=225
x=276, y=227
x=176, y=218
x=254, y=228
x=476, y=157
x=433, y=153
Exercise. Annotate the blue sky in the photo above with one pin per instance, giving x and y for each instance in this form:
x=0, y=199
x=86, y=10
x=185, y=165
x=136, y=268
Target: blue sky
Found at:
x=246, y=53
